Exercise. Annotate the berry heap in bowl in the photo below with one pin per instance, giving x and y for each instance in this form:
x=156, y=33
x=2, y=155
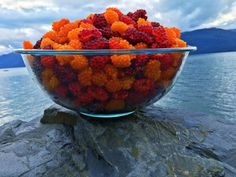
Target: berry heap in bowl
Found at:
x=107, y=65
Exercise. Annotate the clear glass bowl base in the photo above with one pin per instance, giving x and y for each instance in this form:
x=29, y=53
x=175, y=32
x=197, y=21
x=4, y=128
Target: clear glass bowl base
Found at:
x=107, y=116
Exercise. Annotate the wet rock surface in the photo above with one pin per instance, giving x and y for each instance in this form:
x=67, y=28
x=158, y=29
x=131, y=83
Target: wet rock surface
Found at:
x=152, y=142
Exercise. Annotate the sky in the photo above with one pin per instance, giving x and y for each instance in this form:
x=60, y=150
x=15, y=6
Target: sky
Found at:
x=30, y=19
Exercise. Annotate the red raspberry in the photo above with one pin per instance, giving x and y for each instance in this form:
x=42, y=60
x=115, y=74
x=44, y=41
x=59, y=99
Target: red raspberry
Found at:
x=115, y=34
x=48, y=47
x=114, y=44
x=97, y=44
x=99, y=62
x=126, y=19
x=61, y=91
x=166, y=61
x=161, y=40
x=135, y=98
x=139, y=62
x=74, y=88
x=146, y=28
x=99, y=21
x=138, y=14
x=64, y=73
x=98, y=93
x=48, y=61
x=87, y=35
x=106, y=32
x=134, y=36
x=120, y=95
x=129, y=71
x=86, y=98
x=143, y=85
x=155, y=24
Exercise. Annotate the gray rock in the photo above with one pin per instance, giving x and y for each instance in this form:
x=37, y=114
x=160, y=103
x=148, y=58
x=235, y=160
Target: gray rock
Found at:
x=152, y=142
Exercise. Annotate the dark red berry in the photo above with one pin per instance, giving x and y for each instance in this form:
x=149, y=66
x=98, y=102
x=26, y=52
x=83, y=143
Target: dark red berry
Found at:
x=166, y=61
x=99, y=21
x=120, y=95
x=160, y=36
x=61, y=91
x=146, y=28
x=74, y=88
x=138, y=14
x=134, y=36
x=87, y=35
x=37, y=44
x=155, y=24
x=126, y=19
x=97, y=44
x=106, y=32
x=64, y=73
x=98, y=93
x=99, y=62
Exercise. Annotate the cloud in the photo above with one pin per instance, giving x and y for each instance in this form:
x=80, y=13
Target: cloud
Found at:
x=29, y=19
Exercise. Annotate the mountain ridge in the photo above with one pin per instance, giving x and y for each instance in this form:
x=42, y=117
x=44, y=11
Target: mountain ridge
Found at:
x=211, y=40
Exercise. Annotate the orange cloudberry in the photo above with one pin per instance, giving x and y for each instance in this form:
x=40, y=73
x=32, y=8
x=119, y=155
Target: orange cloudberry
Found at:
x=142, y=21
x=86, y=25
x=27, y=45
x=113, y=85
x=75, y=44
x=46, y=42
x=56, y=26
x=57, y=46
x=51, y=35
x=64, y=59
x=116, y=10
x=119, y=26
x=181, y=43
x=168, y=74
x=47, y=73
x=85, y=77
x=111, y=16
x=171, y=36
x=79, y=62
x=62, y=34
x=152, y=70
x=121, y=61
x=99, y=78
x=53, y=83
x=119, y=43
x=141, y=45
x=127, y=83
x=115, y=105
x=74, y=34
x=90, y=17
x=177, y=31
x=111, y=71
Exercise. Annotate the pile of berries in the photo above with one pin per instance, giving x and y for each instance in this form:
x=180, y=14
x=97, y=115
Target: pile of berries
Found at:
x=114, y=83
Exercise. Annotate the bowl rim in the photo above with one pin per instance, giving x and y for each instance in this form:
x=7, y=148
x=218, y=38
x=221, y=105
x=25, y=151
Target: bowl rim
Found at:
x=105, y=51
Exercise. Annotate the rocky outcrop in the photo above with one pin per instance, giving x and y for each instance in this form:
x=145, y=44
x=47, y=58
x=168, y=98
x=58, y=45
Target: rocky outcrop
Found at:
x=152, y=142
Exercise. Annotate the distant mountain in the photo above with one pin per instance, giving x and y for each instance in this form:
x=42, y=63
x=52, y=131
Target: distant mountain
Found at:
x=11, y=60
x=211, y=40
x=234, y=30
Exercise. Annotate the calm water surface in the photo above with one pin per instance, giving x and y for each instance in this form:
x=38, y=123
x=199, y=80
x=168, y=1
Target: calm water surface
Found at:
x=207, y=84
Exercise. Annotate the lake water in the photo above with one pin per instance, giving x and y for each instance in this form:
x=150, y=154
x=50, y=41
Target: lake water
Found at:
x=207, y=84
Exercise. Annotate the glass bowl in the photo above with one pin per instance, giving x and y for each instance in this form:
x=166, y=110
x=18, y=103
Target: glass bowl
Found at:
x=105, y=83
